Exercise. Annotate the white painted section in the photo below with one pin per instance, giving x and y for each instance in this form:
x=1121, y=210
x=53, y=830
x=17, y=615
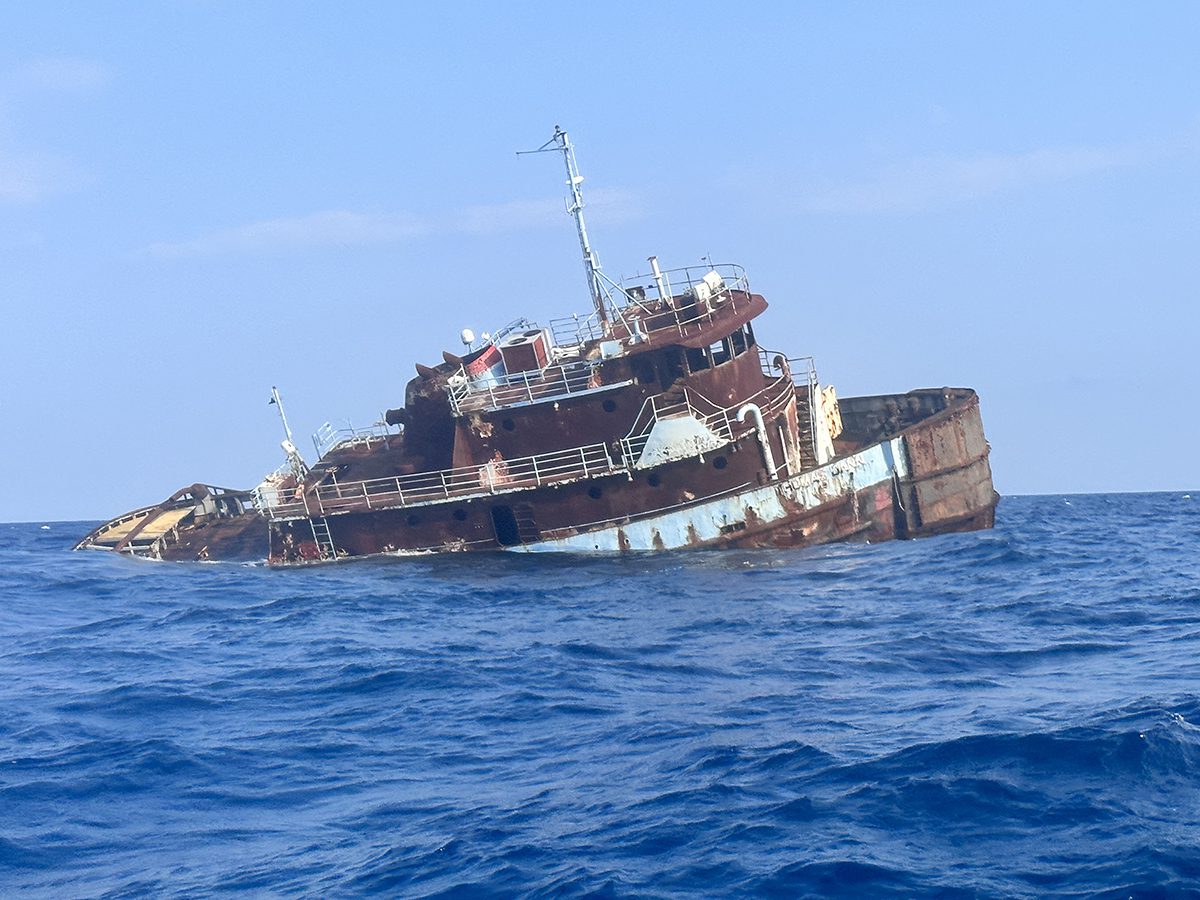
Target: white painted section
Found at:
x=703, y=521
x=679, y=437
x=822, y=421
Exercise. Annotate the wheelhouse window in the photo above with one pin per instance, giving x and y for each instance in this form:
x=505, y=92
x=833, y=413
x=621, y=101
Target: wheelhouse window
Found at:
x=738, y=341
x=719, y=352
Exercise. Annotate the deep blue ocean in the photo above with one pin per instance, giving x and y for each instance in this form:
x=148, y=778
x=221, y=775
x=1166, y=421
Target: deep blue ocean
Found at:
x=1013, y=713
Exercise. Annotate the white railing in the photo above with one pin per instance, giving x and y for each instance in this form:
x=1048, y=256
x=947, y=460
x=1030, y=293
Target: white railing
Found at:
x=494, y=477
x=713, y=418
x=327, y=437
x=803, y=372
x=283, y=499
x=803, y=369
x=572, y=331
x=525, y=387
x=653, y=313
x=274, y=487
x=722, y=422
x=672, y=314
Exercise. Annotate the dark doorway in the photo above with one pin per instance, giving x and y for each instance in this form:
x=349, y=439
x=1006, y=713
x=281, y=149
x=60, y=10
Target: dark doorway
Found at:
x=670, y=367
x=505, y=523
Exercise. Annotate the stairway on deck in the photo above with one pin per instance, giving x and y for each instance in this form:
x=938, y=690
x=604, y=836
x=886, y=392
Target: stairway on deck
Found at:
x=808, y=452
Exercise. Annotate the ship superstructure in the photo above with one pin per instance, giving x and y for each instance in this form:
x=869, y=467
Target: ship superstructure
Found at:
x=654, y=422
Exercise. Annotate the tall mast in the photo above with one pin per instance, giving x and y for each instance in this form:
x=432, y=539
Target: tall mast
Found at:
x=299, y=466
x=591, y=265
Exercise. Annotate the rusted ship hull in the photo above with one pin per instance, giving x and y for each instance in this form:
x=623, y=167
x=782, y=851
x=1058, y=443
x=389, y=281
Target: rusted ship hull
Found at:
x=930, y=477
x=656, y=422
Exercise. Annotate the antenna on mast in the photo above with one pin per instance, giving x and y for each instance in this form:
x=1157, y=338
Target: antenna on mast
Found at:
x=299, y=466
x=561, y=143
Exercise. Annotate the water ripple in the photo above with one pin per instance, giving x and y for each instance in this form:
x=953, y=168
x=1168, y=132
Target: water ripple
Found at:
x=1006, y=714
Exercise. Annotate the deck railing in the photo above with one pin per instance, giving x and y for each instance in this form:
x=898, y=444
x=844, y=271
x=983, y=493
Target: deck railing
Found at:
x=654, y=313
x=288, y=501
x=803, y=372
x=327, y=437
x=572, y=331
x=523, y=387
x=722, y=422
x=656, y=316
x=496, y=476
x=802, y=369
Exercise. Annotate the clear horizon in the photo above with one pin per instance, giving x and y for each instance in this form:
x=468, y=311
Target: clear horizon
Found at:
x=201, y=200
x=1185, y=492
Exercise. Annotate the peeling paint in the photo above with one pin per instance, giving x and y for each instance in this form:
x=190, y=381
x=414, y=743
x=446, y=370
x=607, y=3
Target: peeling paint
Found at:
x=703, y=522
x=679, y=437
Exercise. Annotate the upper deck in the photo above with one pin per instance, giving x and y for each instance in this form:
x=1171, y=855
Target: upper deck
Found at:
x=671, y=306
x=705, y=305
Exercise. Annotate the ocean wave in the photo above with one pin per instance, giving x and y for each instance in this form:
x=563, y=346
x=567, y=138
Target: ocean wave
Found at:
x=1003, y=714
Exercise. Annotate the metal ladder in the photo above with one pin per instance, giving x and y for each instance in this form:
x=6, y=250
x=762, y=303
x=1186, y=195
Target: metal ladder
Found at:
x=323, y=538
x=527, y=527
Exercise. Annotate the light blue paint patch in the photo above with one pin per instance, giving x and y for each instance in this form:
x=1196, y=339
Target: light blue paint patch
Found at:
x=703, y=522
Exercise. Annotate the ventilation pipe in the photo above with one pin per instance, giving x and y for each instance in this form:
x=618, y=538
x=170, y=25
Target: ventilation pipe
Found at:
x=664, y=293
x=760, y=430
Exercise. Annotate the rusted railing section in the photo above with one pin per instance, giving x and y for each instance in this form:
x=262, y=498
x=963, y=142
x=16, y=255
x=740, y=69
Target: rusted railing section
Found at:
x=683, y=316
x=722, y=422
x=327, y=437
x=803, y=372
x=572, y=331
x=524, y=387
x=691, y=308
x=802, y=368
x=496, y=476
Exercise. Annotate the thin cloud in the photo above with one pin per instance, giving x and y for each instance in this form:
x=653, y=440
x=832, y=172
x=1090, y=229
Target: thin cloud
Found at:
x=22, y=178
x=608, y=205
x=936, y=182
x=344, y=228
x=502, y=217
x=329, y=228
x=26, y=177
x=26, y=174
x=56, y=74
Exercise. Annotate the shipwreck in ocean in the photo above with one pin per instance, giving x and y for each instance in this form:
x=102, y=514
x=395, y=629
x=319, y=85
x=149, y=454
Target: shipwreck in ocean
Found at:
x=656, y=422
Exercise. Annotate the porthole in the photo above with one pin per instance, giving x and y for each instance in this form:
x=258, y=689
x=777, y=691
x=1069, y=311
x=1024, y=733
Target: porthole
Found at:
x=595, y=492
x=653, y=480
x=508, y=424
x=460, y=515
x=609, y=406
x=720, y=462
x=413, y=520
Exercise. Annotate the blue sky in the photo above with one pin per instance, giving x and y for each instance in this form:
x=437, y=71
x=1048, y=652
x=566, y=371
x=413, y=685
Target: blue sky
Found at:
x=201, y=199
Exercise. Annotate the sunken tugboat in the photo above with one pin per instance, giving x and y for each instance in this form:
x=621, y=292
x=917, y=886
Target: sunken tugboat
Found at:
x=655, y=423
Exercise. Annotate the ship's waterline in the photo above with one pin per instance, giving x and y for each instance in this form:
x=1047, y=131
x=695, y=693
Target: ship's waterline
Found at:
x=656, y=422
